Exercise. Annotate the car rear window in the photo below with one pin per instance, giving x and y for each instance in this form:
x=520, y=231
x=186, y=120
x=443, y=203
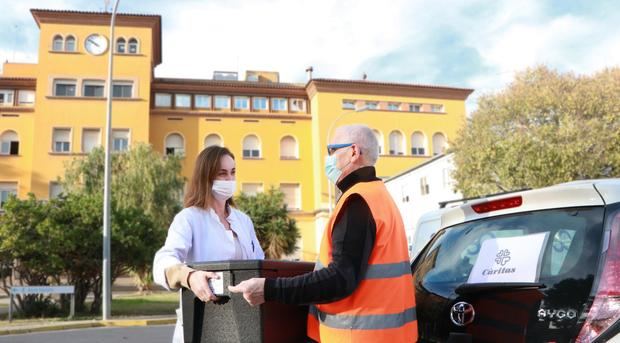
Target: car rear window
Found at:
x=570, y=251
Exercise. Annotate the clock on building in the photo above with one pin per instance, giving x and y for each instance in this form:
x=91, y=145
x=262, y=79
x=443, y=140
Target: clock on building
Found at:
x=96, y=44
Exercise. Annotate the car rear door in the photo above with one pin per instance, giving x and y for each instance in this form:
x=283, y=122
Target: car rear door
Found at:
x=546, y=305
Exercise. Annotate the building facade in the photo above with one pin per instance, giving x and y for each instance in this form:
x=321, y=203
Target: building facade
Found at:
x=54, y=111
x=422, y=188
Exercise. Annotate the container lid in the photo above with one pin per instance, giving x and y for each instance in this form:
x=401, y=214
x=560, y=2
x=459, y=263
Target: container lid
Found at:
x=252, y=265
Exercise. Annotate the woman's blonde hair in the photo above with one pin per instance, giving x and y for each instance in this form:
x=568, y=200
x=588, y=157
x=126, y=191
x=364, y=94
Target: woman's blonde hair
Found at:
x=208, y=163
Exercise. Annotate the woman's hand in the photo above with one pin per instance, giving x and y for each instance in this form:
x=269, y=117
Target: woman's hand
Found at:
x=198, y=283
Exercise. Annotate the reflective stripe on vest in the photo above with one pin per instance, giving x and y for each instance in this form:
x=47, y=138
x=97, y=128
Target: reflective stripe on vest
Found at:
x=380, y=271
x=364, y=322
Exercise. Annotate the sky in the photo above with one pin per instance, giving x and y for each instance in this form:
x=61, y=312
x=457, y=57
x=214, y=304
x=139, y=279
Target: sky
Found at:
x=477, y=44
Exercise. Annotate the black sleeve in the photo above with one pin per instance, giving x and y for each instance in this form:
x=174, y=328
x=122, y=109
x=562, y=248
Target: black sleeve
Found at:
x=352, y=238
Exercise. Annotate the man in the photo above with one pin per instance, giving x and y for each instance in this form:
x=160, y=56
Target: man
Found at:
x=362, y=288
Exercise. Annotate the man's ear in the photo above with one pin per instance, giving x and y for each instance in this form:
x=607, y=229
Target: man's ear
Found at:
x=357, y=153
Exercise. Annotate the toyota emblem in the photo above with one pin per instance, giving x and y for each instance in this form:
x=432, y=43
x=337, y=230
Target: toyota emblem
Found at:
x=462, y=313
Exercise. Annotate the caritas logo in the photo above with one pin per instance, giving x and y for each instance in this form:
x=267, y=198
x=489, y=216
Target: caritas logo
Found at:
x=501, y=259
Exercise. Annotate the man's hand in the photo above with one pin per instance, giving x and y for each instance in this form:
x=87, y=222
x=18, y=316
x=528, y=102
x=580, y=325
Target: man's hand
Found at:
x=253, y=290
x=198, y=283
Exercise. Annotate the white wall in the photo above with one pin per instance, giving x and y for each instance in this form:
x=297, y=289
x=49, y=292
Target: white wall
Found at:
x=405, y=189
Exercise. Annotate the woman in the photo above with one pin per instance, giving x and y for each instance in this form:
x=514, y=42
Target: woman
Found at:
x=209, y=228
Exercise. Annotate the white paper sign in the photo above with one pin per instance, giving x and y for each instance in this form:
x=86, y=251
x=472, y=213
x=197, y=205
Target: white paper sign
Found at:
x=509, y=259
x=217, y=285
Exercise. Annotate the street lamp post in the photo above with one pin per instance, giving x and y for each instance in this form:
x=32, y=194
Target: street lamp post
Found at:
x=329, y=132
x=107, y=286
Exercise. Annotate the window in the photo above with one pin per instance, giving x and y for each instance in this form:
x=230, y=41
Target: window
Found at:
x=175, y=144
x=202, y=101
x=120, y=45
x=222, y=102
x=570, y=253
x=379, y=140
x=259, y=104
x=372, y=105
x=91, y=138
x=64, y=87
x=394, y=106
x=417, y=144
x=163, y=100
x=424, y=189
x=213, y=139
x=182, y=101
x=6, y=190
x=9, y=143
x=436, y=108
x=446, y=178
x=122, y=89
x=288, y=148
x=415, y=107
x=120, y=140
x=6, y=97
x=278, y=104
x=242, y=103
x=25, y=98
x=55, y=190
x=439, y=144
x=251, y=188
x=61, y=141
x=251, y=147
x=133, y=46
x=396, y=143
x=93, y=88
x=292, y=197
x=348, y=104
x=298, y=105
x=70, y=43
x=57, y=43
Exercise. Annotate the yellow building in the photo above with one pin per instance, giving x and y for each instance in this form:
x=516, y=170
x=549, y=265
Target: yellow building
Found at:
x=54, y=111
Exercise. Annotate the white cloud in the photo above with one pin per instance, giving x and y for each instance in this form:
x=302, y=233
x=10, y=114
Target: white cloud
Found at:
x=339, y=38
x=281, y=35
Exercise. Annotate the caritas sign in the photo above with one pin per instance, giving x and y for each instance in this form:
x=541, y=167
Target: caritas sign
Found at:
x=509, y=259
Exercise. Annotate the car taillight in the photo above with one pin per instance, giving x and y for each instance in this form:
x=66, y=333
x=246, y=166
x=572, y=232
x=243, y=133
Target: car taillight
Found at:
x=497, y=205
x=605, y=310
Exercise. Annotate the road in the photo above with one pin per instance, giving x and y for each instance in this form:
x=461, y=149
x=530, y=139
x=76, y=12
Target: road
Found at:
x=135, y=334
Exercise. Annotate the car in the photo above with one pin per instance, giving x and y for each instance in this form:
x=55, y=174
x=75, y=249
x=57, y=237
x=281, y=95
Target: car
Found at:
x=540, y=265
x=428, y=224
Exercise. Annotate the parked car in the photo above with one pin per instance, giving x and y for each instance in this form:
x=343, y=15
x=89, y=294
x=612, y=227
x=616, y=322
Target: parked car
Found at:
x=540, y=265
x=428, y=224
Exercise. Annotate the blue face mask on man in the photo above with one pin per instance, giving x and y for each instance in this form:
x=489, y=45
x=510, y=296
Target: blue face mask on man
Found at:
x=331, y=170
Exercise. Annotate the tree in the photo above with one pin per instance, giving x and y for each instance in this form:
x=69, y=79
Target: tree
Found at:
x=545, y=128
x=24, y=253
x=141, y=179
x=59, y=242
x=275, y=230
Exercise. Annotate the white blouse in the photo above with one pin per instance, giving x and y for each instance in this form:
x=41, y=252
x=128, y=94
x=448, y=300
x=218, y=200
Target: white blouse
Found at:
x=197, y=235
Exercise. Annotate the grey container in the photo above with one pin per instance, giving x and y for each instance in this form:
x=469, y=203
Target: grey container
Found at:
x=235, y=320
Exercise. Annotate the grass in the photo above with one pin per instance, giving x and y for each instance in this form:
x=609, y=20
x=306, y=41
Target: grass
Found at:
x=163, y=303
x=145, y=305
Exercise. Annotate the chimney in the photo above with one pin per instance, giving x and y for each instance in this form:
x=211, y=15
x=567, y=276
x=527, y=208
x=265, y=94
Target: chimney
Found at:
x=309, y=71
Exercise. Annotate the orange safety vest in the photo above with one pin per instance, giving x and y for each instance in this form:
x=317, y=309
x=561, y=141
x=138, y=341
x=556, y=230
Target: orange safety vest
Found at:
x=382, y=308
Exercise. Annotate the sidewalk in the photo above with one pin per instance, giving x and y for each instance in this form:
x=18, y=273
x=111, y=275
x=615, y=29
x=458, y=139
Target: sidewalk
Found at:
x=122, y=286
x=28, y=326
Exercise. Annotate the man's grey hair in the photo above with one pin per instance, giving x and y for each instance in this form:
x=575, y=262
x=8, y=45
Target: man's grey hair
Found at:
x=365, y=139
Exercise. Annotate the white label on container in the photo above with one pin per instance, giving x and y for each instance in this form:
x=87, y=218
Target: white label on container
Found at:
x=217, y=285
